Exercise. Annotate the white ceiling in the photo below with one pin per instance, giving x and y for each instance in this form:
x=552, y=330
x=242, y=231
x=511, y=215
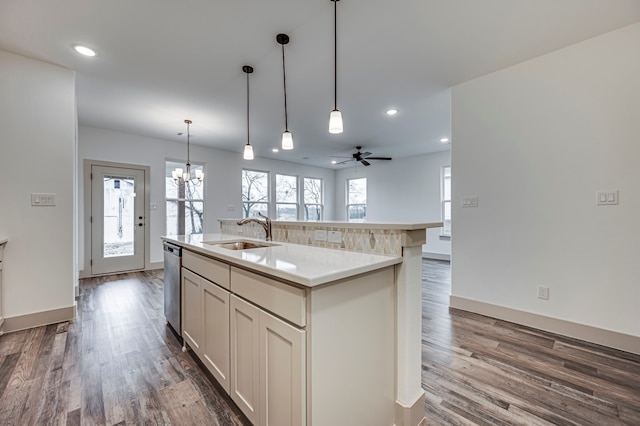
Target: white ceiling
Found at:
x=161, y=61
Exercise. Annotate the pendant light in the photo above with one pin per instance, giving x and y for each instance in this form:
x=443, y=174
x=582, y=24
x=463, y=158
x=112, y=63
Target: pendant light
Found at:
x=178, y=174
x=335, y=118
x=248, y=149
x=287, y=138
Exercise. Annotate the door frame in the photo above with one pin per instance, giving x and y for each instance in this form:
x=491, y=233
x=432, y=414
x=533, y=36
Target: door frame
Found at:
x=85, y=267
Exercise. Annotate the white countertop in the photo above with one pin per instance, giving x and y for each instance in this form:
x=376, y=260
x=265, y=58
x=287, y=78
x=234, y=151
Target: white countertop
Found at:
x=305, y=265
x=356, y=225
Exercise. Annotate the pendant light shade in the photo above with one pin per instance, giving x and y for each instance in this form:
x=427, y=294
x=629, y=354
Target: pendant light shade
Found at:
x=287, y=140
x=287, y=137
x=335, y=122
x=248, y=149
x=248, y=152
x=335, y=118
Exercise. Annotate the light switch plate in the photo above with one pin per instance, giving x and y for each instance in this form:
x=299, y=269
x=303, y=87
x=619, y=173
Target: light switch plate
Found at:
x=469, y=201
x=607, y=198
x=39, y=200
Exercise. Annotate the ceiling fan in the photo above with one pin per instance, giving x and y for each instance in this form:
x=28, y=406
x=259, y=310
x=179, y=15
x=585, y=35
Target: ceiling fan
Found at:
x=361, y=157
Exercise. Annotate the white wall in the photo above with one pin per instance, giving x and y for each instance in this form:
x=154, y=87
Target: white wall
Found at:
x=535, y=142
x=222, y=176
x=38, y=122
x=401, y=190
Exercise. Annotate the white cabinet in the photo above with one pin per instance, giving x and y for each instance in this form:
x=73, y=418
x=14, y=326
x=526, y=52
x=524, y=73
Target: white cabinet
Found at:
x=268, y=380
x=245, y=357
x=282, y=373
x=205, y=323
x=294, y=355
x=215, y=352
x=192, y=325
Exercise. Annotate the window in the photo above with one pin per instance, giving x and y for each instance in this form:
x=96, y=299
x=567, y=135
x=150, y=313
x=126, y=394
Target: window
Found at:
x=445, y=192
x=357, y=200
x=313, y=199
x=286, y=197
x=185, y=202
x=255, y=193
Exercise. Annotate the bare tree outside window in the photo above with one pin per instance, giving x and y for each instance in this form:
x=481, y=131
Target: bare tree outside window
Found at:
x=185, y=202
x=357, y=200
x=313, y=204
x=286, y=197
x=255, y=193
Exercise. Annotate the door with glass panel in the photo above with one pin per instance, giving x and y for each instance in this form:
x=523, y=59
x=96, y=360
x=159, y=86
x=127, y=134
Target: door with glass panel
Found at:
x=117, y=219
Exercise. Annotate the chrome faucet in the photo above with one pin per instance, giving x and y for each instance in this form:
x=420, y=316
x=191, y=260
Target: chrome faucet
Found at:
x=266, y=224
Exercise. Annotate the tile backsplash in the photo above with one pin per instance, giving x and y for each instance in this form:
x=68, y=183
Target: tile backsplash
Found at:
x=361, y=239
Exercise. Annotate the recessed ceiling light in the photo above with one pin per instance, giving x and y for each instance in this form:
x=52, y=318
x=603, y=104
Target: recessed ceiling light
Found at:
x=275, y=150
x=392, y=111
x=334, y=162
x=444, y=140
x=84, y=50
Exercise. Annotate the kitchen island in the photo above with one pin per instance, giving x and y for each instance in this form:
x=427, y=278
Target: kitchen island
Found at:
x=297, y=335
x=334, y=250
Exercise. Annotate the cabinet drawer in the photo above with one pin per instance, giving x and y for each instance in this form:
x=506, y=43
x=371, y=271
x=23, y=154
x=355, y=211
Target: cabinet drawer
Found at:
x=213, y=270
x=282, y=299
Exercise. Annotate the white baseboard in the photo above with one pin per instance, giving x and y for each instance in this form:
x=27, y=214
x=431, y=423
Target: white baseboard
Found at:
x=22, y=322
x=612, y=339
x=436, y=256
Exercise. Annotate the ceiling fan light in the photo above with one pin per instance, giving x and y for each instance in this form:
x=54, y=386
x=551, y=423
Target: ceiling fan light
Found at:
x=248, y=152
x=335, y=122
x=287, y=140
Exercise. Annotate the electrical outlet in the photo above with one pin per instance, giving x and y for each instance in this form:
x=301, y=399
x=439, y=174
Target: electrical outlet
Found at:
x=335, y=236
x=543, y=292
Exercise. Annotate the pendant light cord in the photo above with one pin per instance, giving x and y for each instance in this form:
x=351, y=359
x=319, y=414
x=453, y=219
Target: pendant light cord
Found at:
x=188, y=157
x=284, y=81
x=335, y=54
x=247, y=108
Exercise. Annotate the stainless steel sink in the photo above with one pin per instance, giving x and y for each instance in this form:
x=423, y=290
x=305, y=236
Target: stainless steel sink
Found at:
x=242, y=245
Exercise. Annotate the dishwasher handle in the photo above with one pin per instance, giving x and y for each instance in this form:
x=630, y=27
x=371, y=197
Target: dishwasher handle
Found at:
x=173, y=249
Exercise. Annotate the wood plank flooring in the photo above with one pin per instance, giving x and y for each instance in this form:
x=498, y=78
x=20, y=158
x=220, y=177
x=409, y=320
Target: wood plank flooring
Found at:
x=482, y=371
x=118, y=364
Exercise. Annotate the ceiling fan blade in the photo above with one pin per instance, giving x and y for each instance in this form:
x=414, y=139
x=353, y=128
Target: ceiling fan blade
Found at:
x=365, y=154
x=345, y=161
x=365, y=162
x=378, y=158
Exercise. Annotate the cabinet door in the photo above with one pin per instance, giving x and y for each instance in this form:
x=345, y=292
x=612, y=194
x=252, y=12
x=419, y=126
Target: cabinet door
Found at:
x=282, y=373
x=245, y=352
x=192, y=310
x=216, y=332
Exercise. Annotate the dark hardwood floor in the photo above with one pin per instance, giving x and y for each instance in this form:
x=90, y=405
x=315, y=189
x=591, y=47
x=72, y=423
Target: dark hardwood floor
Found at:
x=118, y=364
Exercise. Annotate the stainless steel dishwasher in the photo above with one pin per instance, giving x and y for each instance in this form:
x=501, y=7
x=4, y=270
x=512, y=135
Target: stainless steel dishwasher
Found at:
x=172, y=293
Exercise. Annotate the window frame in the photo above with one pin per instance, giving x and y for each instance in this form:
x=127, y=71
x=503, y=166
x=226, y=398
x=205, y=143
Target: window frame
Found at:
x=305, y=204
x=267, y=203
x=171, y=164
x=348, y=204
x=445, y=230
x=284, y=203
